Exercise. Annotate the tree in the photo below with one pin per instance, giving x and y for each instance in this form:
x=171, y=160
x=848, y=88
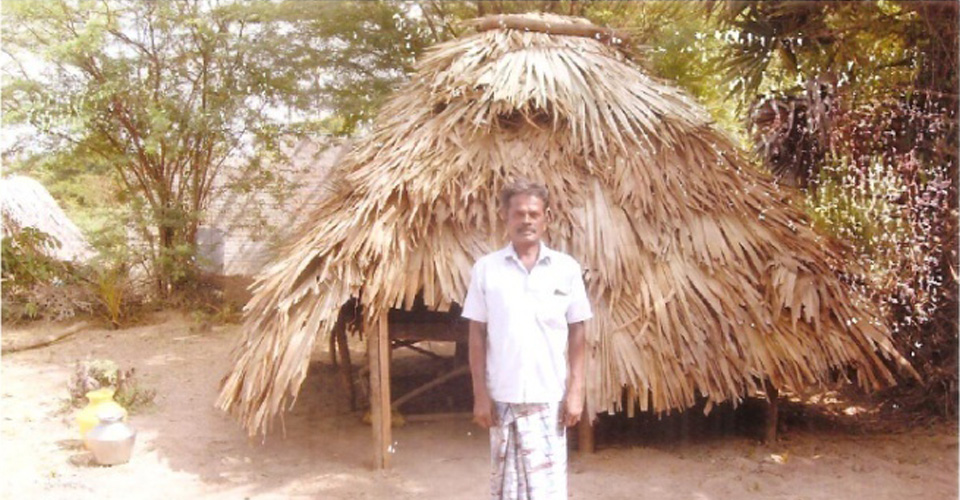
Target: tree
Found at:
x=356, y=53
x=857, y=101
x=160, y=94
x=143, y=104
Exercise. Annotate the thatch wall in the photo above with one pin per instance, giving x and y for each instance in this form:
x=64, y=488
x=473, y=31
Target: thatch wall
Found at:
x=703, y=275
x=241, y=229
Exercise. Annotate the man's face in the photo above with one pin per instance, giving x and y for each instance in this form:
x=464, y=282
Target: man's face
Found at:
x=526, y=219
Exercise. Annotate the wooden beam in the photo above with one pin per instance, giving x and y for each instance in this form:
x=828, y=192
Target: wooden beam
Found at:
x=411, y=344
x=770, y=425
x=25, y=344
x=456, y=372
x=586, y=442
x=685, y=426
x=437, y=417
x=522, y=23
x=378, y=353
x=729, y=423
x=450, y=331
x=345, y=368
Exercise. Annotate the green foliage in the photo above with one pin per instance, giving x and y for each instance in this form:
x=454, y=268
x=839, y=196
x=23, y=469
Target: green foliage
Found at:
x=360, y=50
x=219, y=314
x=50, y=301
x=862, y=208
x=778, y=46
x=99, y=373
x=36, y=285
x=111, y=289
x=26, y=259
x=364, y=50
x=681, y=44
x=157, y=95
x=858, y=101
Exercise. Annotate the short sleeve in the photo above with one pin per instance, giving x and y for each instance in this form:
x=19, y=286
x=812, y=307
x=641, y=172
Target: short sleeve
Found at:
x=579, y=309
x=475, y=305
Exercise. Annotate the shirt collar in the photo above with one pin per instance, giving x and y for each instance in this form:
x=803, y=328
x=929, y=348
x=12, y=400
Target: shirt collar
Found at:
x=542, y=257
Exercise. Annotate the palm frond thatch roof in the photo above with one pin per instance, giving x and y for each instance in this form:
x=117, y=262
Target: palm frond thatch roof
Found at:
x=26, y=203
x=240, y=227
x=704, y=278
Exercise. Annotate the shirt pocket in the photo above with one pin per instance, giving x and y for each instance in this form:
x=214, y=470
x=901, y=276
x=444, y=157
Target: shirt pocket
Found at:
x=552, y=304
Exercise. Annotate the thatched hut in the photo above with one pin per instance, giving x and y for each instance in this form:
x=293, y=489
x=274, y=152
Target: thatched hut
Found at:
x=26, y=203
x=704, y=277
x=239, y=228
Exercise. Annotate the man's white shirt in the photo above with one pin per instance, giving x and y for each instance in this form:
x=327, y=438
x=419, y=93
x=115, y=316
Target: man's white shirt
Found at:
x=527, y=316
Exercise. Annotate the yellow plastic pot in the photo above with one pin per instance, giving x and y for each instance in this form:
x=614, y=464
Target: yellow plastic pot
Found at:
x=100, y=399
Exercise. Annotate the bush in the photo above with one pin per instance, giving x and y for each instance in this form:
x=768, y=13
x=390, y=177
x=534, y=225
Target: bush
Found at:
x=99, y=373
x=26, y=259
x=893, y=211
x=111, y=286
x=54, y=302
x=36, y=285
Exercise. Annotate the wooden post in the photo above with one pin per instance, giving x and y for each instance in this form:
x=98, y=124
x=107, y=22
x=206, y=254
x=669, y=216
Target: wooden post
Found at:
x=685, y=425
x=346, y=367
x=770, y=427
x=672, y=424
x=378, y=353
x=729, y=424
x=585, y=438
x=715, y=420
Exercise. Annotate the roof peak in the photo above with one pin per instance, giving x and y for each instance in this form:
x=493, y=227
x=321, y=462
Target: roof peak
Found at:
x=551, y=24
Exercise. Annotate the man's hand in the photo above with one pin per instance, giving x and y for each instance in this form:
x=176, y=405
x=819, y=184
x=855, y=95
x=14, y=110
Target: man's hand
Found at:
x=573, y=401
x=483, y=414
x=572, y=409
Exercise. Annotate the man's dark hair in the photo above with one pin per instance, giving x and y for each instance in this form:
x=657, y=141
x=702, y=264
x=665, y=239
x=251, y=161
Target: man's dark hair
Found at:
x=523, y=186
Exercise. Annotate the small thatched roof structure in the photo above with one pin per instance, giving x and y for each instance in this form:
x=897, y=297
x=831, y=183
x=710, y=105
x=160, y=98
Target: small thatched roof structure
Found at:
x=703, y=275
x=26, y=203
x=240, y=229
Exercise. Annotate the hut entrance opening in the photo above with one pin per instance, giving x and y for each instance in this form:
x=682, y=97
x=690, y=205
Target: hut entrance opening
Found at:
x=408, y=331
x=431, y=349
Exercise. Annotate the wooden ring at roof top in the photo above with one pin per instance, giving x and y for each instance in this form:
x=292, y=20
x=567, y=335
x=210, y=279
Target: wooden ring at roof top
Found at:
x=526, y=23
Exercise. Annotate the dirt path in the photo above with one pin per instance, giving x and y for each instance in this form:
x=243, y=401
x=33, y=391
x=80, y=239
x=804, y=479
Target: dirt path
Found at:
x=187, y=449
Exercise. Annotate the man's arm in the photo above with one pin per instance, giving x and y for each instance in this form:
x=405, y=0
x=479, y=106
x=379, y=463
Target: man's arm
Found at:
x=573, y=402
x=482, y=404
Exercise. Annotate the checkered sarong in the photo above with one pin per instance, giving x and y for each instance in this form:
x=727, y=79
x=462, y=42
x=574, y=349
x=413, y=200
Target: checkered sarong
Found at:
x=528, y=451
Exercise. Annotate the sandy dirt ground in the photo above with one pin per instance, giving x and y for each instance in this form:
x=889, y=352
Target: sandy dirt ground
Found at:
x=188, y=449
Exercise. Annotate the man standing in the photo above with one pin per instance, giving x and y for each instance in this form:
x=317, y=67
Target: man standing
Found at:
x=526, y=305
